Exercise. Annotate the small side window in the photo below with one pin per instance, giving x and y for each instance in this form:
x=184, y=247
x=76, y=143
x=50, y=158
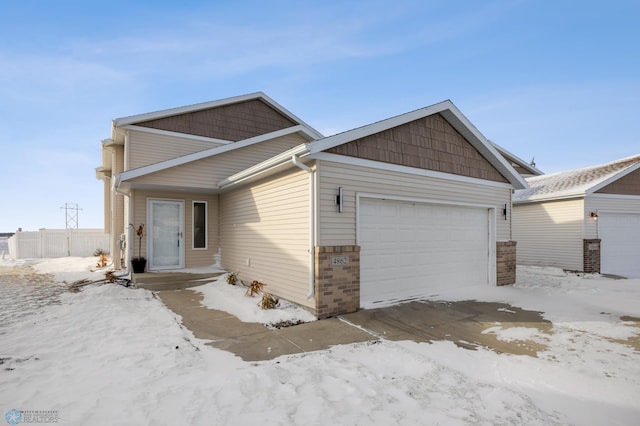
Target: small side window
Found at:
x=199, y=225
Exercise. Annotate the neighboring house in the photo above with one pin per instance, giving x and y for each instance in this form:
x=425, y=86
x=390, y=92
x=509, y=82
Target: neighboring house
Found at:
x=412, y=205
x=583, y=220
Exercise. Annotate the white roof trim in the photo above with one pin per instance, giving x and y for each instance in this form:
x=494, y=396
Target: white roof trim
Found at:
x=265, y=166
x=119, y=122
x=163, y=165
x=613, y=178
x=436, y=201
x=377, y=127
x=453, y=115
x=343, y=159
x=559, y=197
x=615, y=196
x=108, y=142
x=175, y=134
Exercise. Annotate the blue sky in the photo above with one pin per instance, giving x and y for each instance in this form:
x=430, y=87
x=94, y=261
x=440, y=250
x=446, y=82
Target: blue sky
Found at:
x=558, y=80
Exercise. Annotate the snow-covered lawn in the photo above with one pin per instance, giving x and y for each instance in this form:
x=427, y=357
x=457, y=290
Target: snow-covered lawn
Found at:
x=112, y=355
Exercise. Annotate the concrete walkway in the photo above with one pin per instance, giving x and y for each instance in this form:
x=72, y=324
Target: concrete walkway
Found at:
x=463, y=323
x=254, y=341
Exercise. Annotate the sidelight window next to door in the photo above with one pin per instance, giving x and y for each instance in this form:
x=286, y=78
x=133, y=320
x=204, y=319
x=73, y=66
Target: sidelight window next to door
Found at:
x=199, y=225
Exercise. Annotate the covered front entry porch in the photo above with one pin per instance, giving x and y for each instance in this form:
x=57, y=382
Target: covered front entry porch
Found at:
x=180, y=230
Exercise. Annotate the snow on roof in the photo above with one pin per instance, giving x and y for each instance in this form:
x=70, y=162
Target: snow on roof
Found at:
x=576, y=182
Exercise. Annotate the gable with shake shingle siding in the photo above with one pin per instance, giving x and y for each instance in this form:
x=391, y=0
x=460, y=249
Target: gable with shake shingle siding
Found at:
x=627, y=185
x=429, y=143
x=232, y=122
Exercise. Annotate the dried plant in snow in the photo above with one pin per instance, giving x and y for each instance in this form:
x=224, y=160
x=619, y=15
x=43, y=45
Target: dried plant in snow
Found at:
x=102, y=257
x=268, y=301
x=110, y=277
x=254, y=288
x=232, y=278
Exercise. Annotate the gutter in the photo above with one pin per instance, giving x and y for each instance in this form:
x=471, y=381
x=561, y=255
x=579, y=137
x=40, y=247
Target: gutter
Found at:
x=116, y=186
x=312, y=225
x=267, y=165
x=551, y=198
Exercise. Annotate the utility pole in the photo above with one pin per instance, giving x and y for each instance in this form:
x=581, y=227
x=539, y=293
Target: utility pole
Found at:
x=71, y=213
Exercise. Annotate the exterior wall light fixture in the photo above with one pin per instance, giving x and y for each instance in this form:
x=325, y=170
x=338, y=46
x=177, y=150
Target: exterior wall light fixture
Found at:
x=339, y=200
x=594, y=215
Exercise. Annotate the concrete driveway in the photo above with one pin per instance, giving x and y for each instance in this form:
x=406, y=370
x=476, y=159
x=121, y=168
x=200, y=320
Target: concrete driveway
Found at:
x=464, y=323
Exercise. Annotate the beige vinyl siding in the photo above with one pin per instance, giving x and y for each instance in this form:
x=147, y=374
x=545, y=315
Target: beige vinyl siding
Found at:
x=193, y=258
x=106, y=205
x=336, y=228
x=264, y=234
x=149, y=148
x=607, y=204
x=206, y=173
x=550, y=233
x=118, y=203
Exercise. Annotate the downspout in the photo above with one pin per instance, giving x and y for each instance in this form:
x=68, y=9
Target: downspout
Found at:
x=115, y=183
x=312, y=225
x=116, y=188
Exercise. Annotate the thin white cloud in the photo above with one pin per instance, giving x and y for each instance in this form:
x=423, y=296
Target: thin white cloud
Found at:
x=209, y=46
x=39, y=78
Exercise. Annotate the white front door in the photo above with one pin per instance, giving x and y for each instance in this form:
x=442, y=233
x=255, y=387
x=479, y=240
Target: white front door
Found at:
x=166, y=234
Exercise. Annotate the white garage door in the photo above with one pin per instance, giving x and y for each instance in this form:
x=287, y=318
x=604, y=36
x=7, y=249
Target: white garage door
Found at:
x=620, y=244
x=416, y=249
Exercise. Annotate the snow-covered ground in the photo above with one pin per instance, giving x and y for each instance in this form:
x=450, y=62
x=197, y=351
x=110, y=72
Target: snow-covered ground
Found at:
x=113, y=355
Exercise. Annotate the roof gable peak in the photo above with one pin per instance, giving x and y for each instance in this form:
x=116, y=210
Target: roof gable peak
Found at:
x=451, y=114
x=139, y=118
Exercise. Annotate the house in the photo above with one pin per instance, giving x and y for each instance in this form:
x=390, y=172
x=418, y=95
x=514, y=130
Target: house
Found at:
x=411, y=205
x=582, y=220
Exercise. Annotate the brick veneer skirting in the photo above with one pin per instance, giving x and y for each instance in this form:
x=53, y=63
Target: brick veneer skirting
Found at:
x=591, y=256
x=337, y=280
x=505, y=262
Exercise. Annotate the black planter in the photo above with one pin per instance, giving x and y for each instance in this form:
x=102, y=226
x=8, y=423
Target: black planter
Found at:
x=138, y=265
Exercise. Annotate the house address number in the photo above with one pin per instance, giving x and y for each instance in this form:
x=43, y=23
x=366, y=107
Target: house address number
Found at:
x=339, y=260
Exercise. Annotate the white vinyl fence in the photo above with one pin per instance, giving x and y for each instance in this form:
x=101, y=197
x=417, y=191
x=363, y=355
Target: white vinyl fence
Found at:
x=49, y=243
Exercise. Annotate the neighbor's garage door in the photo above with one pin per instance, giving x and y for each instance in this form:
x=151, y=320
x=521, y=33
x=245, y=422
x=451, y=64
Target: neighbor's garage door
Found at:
x=411, y=249
x=620, y=244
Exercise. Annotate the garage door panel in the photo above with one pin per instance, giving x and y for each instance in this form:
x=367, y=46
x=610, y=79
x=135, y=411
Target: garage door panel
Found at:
x=412, y=249
x=620, y=244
